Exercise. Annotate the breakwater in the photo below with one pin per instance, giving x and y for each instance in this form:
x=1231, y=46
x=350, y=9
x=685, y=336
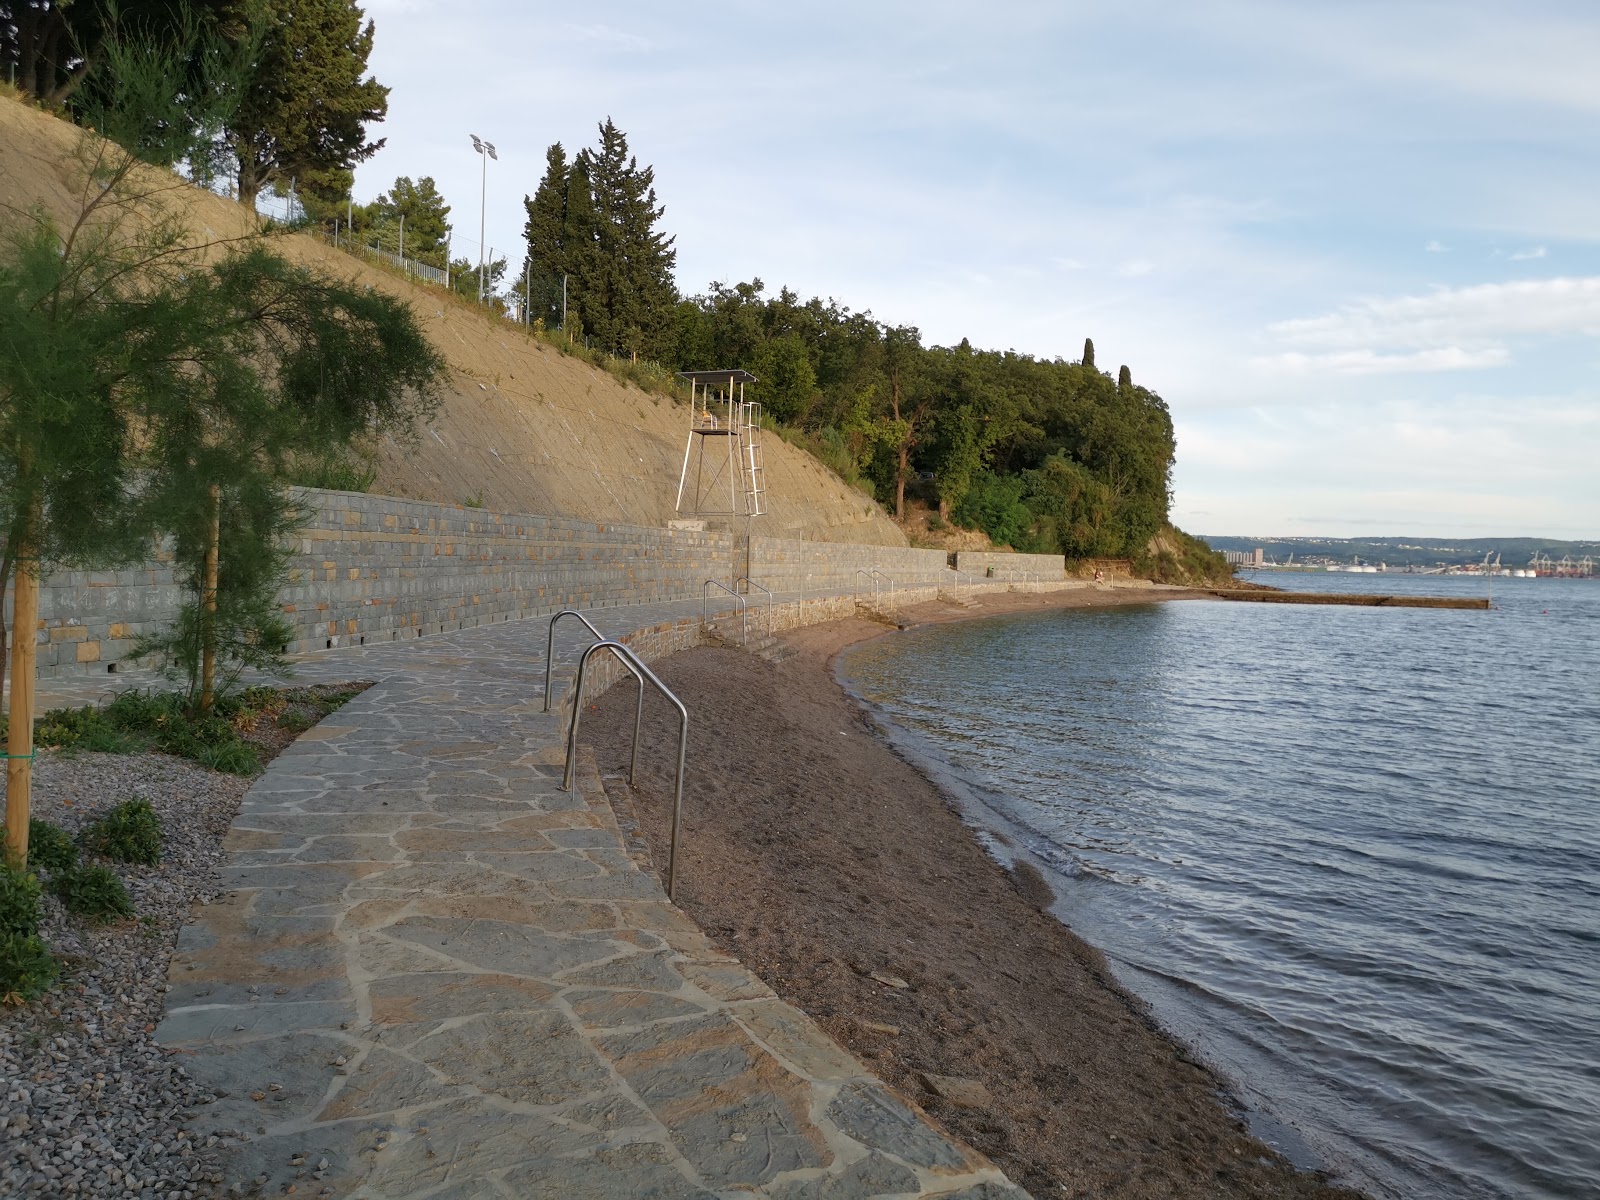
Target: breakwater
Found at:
x=1360, y=601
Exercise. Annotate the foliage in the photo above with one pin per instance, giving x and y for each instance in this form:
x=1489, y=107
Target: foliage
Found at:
x=994, y=504
x=1176, y=557
x=94, y=893
x=307, y=102
x=336, y=468
x=50, y=849
x=26, y=968
x=595, y=221
x=411, y=218
x=19, y=900
x=130, y=833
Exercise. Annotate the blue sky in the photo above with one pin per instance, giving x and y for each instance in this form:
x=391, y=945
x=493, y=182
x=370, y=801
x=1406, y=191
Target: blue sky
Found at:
x=1356, y=246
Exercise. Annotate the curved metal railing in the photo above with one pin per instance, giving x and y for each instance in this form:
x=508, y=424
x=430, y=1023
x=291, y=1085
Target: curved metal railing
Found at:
x=635, y=664
x=889, y=579
x=705, y=607
x=549, y=661
x=758, y=587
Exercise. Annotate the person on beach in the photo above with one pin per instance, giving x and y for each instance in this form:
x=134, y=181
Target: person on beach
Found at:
x=1099, y=575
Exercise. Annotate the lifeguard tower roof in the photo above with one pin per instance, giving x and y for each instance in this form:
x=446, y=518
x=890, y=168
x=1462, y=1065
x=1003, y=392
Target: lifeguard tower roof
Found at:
x=718, y=378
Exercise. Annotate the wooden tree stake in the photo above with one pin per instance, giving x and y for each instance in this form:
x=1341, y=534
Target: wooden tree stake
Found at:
x=19, y=737
x=208, y=623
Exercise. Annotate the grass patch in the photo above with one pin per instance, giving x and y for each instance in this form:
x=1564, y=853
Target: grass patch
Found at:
x=228, y=739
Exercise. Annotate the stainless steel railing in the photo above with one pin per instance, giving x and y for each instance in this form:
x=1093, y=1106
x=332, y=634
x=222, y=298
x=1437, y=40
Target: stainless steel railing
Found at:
x=889, y=579
x=635, y=664
x=549, y=661
x=705, y=607
x=758, y=587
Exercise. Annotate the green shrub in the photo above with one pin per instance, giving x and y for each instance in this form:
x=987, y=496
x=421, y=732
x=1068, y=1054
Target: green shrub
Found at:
x=234, y=758
x=26, y=968
x=19, y=901
x=49, y=847
x=296, y=722
x=94, y=893
x=130, y=833
x=83, y=728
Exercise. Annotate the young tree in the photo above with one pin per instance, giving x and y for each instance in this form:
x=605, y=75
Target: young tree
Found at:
x=909, y=403
x=305, y=107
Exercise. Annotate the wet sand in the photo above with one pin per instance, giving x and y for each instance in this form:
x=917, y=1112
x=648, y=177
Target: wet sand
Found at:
x=844, y=878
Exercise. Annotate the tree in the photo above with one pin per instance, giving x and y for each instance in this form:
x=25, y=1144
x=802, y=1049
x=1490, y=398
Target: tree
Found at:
x=1088, y=353
x=1124, y=379
x=305, y=107
x=909, y=403
x=545, y=234
x=52, y=48
x=284, y=363
x=424, y=214
x=146, y=375
x=618, y=262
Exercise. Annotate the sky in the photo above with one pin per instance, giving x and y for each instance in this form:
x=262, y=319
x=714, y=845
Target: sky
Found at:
x=1355, y=246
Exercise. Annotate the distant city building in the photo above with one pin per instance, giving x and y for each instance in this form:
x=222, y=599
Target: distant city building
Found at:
x=1245, y=558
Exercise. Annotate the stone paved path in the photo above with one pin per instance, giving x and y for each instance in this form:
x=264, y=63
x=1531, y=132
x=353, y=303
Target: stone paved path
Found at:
x=440, y=975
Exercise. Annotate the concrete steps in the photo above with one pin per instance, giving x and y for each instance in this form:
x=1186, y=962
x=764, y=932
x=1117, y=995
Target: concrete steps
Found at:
x=761, y=644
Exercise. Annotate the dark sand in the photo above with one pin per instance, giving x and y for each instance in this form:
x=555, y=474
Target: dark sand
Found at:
x=819, y=858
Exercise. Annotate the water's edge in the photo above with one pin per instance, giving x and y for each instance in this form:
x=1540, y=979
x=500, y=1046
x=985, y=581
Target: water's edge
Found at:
x=1008, y=842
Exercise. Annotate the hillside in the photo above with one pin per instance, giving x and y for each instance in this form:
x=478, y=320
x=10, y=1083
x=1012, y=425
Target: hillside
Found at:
x=523, y=427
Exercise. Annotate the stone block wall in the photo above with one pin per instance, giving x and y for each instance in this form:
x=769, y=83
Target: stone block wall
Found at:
x=373, y=567
x=788, y=565
x=1050, y=568
x=379, y=568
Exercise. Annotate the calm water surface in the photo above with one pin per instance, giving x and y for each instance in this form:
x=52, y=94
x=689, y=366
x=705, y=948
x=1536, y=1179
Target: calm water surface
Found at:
x=1353, y=855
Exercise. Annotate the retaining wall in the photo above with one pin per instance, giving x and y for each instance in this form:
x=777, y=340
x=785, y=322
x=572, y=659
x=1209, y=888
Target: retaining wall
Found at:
x=787, y=565
x=978, y=563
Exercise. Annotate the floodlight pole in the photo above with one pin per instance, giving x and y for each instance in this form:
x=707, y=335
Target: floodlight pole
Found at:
x=486, y=152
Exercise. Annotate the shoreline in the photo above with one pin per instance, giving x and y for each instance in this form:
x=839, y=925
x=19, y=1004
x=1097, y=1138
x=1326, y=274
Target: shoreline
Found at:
x=852, y=883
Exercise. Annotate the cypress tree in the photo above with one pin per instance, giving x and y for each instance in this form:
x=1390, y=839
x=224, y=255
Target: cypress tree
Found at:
x=1124, y=379
x=545, y=234
x=1088, y=353
x=629, y=292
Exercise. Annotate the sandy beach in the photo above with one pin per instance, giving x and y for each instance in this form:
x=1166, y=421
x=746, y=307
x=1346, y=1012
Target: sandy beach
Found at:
x=844, y=878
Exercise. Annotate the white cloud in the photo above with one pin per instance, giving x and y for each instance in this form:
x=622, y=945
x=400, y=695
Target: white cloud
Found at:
x=1452, y=317
x=1370, y=362
x=1525, y=255
x=1135, y=267
x=1436, y=247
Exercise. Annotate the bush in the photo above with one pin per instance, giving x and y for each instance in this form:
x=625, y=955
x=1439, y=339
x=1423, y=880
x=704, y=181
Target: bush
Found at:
x=94, y=893
x=130, y=833
x=81, y=729
x=19, y=901
x=49, y=847
x=26, y=968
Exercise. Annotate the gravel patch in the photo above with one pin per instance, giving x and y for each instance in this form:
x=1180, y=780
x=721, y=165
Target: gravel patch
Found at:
x=90, y=1105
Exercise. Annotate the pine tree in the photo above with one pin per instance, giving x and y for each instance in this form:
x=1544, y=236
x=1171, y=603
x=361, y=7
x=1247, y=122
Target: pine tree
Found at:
x=305, y=109
x=427, y=230
x=1088, y=353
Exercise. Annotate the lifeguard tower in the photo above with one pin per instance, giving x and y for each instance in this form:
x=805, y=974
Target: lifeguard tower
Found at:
x=724, y=445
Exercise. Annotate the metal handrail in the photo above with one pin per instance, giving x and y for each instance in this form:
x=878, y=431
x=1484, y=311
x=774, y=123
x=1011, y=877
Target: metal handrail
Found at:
x=705, y=607
x=768, y=591
x=880, y=575
x=549, y=660
x=870, y=580
x=960, y=575
x=635, y=664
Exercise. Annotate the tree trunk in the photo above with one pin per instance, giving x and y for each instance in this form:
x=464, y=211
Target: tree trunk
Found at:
x=19, y=737
x=900, y=480
x=208, y=605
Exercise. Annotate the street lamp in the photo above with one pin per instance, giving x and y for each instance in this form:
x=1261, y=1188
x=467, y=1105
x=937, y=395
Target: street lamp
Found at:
x=486, y=149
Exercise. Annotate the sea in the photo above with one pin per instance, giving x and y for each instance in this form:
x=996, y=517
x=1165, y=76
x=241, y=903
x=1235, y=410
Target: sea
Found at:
x=1350, y=855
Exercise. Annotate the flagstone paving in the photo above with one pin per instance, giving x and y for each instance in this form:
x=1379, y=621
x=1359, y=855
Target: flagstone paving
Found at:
x=440, y=975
